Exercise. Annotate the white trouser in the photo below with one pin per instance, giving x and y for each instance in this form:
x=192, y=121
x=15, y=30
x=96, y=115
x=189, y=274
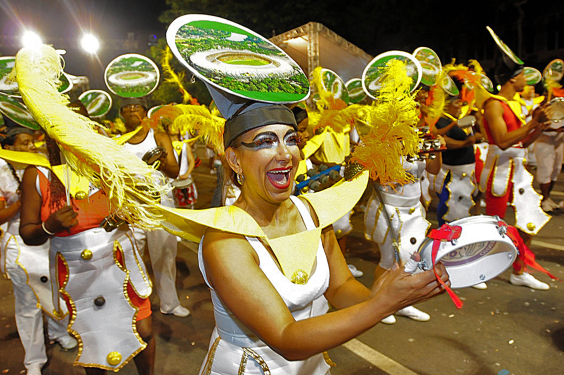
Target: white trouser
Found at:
x=29, y=317
x=162, y=247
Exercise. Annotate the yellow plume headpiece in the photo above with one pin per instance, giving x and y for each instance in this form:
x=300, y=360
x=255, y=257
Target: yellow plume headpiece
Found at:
x=393, y=119
x=127, y=181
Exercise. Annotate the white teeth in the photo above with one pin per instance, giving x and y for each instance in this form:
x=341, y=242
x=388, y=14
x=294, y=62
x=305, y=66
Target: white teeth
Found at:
x=286, y=171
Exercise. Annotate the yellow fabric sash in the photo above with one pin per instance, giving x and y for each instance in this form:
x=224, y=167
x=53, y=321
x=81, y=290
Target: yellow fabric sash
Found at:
x=294, y=252
x=79, y=185
x=127, y=136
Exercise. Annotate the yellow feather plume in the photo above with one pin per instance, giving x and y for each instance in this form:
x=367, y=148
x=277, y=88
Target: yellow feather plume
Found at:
x=127, y=181
x=195, y=119
x=170, y=76
x=393, y=136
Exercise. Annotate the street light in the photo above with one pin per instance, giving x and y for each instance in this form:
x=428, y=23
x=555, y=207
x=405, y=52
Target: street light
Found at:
x=31, y=39
x=90, y=43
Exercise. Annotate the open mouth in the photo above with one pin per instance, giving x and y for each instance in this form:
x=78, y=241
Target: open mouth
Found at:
x=280, y=177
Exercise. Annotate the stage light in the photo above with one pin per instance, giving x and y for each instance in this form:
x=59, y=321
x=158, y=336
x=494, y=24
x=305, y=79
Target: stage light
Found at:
x=31, y=39
x=90, y=43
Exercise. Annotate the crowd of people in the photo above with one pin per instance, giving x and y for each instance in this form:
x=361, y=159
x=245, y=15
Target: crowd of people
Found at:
x=277, y=166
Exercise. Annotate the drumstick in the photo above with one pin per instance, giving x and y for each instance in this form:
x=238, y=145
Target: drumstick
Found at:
x=67, y=190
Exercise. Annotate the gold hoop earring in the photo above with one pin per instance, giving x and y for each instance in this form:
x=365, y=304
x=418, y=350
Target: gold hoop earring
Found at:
x=240, y=178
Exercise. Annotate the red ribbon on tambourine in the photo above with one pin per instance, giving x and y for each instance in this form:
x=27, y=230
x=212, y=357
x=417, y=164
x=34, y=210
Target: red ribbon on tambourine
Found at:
x=445, y=233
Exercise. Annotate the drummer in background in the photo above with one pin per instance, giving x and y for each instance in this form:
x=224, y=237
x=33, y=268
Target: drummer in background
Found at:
x=508, y=136
x=548, y=150
x=162, y=245
x=455, y=184
x=185, y=193
x=529, y=101
x=458, y=161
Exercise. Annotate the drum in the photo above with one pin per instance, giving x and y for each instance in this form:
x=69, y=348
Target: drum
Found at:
x=181, y=184
x=482, y=252
x=557, y=105
x=153, y=155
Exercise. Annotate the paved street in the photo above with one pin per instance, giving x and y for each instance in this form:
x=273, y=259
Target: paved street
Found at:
x=502, y=330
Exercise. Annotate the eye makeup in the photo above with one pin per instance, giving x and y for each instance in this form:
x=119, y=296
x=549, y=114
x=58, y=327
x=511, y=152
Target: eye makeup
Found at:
x=270, y=140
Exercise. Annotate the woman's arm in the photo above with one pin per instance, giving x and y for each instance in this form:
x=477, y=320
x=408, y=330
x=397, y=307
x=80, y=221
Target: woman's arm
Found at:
x=233, y=271
x=32, y=230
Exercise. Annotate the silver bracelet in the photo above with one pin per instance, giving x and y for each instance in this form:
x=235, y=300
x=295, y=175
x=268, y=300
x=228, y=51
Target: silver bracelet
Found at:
x=45, y=229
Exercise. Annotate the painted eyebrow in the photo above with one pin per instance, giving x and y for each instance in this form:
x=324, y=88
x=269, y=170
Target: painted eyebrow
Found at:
x=264, y=134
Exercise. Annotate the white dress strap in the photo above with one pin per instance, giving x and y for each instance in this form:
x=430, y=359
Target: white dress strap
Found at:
x=304, y=212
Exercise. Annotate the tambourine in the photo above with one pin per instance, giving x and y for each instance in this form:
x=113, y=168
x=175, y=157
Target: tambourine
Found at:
x=481, y=252
x=466, y=123
x=182, y=184
x=557, y=105
x=153, y=155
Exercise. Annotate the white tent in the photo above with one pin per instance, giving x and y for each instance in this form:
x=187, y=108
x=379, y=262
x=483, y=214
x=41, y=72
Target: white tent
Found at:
x=313, y=45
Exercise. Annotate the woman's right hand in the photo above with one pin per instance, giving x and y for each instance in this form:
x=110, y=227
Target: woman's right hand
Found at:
x=63, y=219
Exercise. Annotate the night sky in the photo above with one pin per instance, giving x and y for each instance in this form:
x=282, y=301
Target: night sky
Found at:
x=375, y=26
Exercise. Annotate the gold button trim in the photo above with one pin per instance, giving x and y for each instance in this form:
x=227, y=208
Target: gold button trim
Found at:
x=114, y=358
x=86, y=254
x=299, y=277
x=80, y=195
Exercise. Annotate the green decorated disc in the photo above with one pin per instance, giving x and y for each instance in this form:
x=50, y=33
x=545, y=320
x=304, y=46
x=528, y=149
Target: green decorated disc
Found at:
x=356, y=92
x=12, y=89
x=449, y=86
x=17, y=112
x=486, y=83
x=154, y=109
x=430, y=64
x=532, y=76
x=504, y=48
x=236, y=60
x=6, y=65
x=554, y=70
x=132, y=76
x=372, y=75
x=332, y=83
x=97, y=102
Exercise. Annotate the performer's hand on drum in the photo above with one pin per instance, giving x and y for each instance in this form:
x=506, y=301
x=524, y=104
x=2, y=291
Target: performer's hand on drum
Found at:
x=543, y=115
x=62, y=219
x=405, y=289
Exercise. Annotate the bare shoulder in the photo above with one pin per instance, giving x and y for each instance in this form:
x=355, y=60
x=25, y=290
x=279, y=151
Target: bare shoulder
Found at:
x=220, y=244
x=493, y=105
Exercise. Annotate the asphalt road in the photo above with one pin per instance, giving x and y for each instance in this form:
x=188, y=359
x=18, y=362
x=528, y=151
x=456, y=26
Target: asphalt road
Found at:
x=502, y=330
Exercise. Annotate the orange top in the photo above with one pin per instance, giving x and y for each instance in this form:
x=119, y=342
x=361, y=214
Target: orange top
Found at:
x=511, y=122
x=91, y=211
